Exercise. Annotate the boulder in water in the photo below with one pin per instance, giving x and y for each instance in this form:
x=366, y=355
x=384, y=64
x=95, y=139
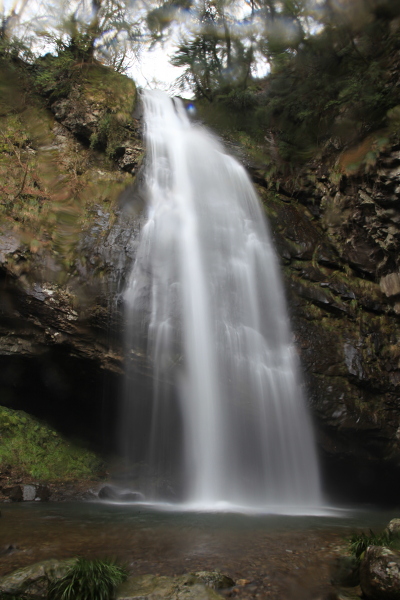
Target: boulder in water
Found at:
x=394, y=527
x=214, y=579
x=113, y=494
x=184, y=587
x=131, y=497
x=380, y=573
x=28, y=492
x=14, y=493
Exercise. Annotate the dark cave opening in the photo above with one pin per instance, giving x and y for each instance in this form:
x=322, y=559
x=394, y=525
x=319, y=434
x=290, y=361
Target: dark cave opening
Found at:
x=73, y=394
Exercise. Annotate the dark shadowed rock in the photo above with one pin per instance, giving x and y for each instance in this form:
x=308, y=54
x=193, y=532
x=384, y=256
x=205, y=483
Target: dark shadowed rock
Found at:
x=8, y=549
x=43, y=493
x=113, y=494
x=14, y=493
x=346, y=571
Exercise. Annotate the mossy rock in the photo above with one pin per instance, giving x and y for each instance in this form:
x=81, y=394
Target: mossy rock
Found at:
x=98, y=107
x=33, y=581
x=108, y=88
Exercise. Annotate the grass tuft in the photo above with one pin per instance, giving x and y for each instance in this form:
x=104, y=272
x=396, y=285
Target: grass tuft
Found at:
x=88, y=580
x=359, y=542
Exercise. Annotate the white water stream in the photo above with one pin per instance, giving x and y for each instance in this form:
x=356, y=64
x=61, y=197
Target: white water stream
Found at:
x=226, y=418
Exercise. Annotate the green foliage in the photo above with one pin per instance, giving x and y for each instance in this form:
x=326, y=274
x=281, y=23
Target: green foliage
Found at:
x=12, y=48
x=99, y=139
x=359, y=542
x=335, y=90
x=113, y=93
x=54, y=75
x=117, y=94
x=239, y=99
x=88, y=580
x=203, y=63
x=13, y=135
x=40, y=451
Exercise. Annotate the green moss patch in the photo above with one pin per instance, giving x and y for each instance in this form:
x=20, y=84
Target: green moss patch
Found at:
x=39, y=451
x=49, y=180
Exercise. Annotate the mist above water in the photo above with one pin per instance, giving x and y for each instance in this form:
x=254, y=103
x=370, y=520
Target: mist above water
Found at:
x=226, y=423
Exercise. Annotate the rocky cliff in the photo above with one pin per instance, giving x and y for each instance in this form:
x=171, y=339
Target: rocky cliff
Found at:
x=70, y=151
x=337, y=231
x=70, y=216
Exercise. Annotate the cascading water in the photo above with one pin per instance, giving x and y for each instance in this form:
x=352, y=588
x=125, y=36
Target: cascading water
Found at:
x=226, y=421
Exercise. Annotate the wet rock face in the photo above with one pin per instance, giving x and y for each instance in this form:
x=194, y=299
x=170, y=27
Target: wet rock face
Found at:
x=61, y=355
x=338, y=237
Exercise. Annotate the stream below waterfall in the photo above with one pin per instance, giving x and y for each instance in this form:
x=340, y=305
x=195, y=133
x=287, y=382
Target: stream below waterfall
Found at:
x=279, y=556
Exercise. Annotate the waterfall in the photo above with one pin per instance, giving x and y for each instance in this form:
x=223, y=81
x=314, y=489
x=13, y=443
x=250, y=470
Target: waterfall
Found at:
x=225, y=422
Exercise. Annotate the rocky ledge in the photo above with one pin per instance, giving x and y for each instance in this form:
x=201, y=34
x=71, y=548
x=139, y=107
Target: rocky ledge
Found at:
x=337, y=232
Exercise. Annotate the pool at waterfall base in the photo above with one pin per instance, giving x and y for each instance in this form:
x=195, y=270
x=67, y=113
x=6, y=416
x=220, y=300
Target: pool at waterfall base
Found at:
x=269, y=556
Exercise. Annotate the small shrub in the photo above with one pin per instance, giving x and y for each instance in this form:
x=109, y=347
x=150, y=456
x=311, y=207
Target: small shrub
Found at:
x=359, y=542
x=88, y=580
x=239, y=99
x=54, y=75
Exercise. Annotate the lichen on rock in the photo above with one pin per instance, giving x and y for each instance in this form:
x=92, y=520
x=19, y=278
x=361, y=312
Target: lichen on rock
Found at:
x=380, y=573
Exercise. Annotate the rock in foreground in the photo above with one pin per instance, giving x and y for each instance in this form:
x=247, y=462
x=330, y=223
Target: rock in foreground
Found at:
x=33, y=581
x=393, y=527
x=194, y=586
x=380, y=573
